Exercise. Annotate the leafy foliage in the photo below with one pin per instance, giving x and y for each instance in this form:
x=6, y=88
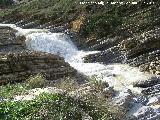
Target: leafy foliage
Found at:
x=49, y=106
x=10, y=90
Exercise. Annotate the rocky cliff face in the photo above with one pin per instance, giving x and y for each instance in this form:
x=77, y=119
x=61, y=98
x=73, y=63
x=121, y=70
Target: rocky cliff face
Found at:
x=16, y=67
x=17, y=63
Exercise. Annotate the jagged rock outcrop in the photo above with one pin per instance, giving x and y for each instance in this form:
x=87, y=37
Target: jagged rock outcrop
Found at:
x=154, y=100
x=16, y=67
x=124, y=98
x=146, y=113
x=148, y=83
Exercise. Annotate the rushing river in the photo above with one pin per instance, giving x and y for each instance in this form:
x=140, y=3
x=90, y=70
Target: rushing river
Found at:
x=119, y=76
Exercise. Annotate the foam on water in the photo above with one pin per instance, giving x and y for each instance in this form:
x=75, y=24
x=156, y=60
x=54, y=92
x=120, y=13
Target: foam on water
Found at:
x=56, y=43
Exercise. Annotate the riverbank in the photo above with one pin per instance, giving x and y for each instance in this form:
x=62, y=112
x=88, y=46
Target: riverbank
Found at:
x=125, y=84
x=67, y=43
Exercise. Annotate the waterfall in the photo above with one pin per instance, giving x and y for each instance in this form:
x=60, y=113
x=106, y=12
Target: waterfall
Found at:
x=56, y=43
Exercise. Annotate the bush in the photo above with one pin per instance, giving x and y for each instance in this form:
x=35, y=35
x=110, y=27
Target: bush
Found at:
x=10, y=90
x=36, y=81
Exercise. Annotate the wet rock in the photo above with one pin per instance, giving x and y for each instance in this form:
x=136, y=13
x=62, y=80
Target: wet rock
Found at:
x=111, y=55
x=148, y=83
x=124, y=98
x=132, y=42
x=17, y=63
x=142, y=50
x=109, y=92
x=140, y=99
x=135, y=44
x=62, y=28
x=30, y=25
x=154, y=100
x=139, y=48
x=9, y=42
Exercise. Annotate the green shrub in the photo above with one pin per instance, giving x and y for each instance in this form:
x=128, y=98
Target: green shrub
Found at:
x=10, y=90
x=36, y=81
x=102, y=24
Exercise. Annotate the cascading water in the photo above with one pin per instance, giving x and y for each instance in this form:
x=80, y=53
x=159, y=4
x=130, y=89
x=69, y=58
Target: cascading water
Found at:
x=60, y=44
x=56, y=43
x=117, y=75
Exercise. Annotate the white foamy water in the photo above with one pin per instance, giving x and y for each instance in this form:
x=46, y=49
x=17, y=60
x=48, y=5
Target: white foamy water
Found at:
x=120, y=76
x=56, y=43
x=24, y=31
